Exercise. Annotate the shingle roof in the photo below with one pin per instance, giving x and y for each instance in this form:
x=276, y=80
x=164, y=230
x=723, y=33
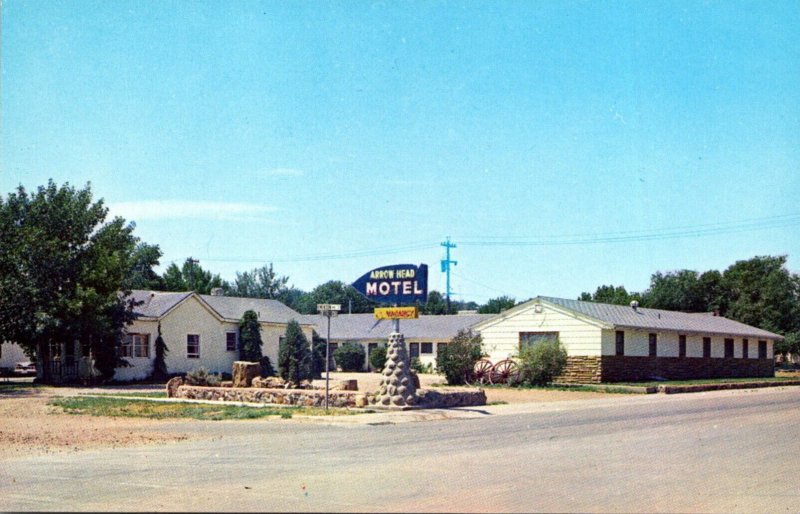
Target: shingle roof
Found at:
x=155, y=303
x=230, y=307
x=624, y=316
x=158, y=303
x=364, y=326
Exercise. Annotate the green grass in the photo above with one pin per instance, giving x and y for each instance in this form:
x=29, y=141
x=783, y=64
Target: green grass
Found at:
x=704, y=381
x=119, y=407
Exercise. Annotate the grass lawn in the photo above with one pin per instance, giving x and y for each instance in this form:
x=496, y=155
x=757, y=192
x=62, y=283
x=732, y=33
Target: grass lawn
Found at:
x=118, y=407
x=702, y=381
x=153, y=394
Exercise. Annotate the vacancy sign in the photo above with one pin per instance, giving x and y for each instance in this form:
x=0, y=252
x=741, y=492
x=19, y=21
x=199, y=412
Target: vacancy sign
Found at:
x=396, y=313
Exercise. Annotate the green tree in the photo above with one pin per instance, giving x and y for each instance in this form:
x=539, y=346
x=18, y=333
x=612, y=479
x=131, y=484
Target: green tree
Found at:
x=436, y=304
x=250, y=337
x=457, y=359
x=160, y=371
x=62, y=268
x=261, y=282
x=294, y=356
x=676, y=291
x=191, y=277
x=334, y=291
x=497, y=305
x=143, y=276
x=763, y=293
x=616, y=295
x=318, y=350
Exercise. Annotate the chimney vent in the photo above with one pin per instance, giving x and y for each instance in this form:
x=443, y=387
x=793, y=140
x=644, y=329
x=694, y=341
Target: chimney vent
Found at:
x=634, y=305
x=217, y=291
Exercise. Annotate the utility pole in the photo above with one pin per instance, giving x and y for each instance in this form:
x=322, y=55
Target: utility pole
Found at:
x=446, y=262
x=191, y=262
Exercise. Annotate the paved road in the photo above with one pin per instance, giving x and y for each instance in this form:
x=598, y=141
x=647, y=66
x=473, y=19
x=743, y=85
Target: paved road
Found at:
x=722, y=452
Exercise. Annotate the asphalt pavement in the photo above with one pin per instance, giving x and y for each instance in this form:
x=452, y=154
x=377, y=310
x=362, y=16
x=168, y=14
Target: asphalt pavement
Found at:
x=726, y=451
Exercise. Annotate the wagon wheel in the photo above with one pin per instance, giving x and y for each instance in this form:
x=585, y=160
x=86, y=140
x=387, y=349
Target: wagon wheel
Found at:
x=505, y=372
x=482, y=372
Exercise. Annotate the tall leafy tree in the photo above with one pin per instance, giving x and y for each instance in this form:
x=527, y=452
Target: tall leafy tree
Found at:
x=143, y=276
x=250, y=337
x=64, y=273
x=334, y=291
x=191, y=277
x=261, y=282
x=294, y=355
x=616, y=295
x=497, y=305
x=676, y=291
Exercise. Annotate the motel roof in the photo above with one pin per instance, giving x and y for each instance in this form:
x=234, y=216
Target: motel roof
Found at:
x=625, y=316
x=354, y=327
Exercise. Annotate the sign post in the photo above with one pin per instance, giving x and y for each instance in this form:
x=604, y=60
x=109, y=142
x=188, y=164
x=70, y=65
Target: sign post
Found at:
x=328, y=310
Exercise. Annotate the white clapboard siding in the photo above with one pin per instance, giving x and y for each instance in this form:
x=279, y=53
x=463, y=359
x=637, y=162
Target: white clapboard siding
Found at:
x=501, y=337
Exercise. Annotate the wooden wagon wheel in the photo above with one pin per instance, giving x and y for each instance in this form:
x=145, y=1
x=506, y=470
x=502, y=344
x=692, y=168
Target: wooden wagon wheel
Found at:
x=482, y=372
x=505, y=372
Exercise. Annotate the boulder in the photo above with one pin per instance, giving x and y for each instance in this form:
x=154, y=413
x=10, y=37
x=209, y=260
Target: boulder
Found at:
x=172, y=386
x=244, y=373
x=362, y=400
x=345, y=385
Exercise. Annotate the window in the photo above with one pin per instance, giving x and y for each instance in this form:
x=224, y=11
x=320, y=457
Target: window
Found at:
x=653, y=339
x=426, y=348
x=141, y=345
x=413, y=350
x=532, y=338
x=231, y=341
x=762, y=349
x=440, y=347
x=620, y=346
x=745, y=349
x=126, y=348
x=681, y=346
x=193, y=346
x=707, y=347
x=729, y=348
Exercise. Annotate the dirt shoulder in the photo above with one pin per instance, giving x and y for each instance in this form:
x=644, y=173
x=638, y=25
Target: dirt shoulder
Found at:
x=28, y=425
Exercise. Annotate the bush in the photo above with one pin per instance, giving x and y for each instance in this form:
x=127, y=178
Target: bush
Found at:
x=541, y=362
x=202, y=377
x=250, y=337
x=350, y=357
x=377, y=359
x=317, y=355
x=457, y=358
x=418, y=367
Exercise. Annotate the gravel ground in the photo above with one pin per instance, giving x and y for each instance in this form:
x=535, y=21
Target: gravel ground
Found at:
x=29, y=426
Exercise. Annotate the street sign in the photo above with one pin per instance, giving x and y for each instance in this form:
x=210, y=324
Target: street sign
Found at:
x=397, y=284
x=396, y=313
x=328, y=307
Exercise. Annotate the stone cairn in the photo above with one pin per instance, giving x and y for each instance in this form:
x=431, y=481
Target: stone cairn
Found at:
x=397, y=386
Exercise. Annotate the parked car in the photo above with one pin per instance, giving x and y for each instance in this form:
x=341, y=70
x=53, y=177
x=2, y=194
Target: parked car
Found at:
x=25, y=368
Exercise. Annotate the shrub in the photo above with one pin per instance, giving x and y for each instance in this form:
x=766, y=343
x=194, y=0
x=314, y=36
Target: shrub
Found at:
x=418, y=367
x=266, y=367
x=202, y=377
x=457, y=359
x=350, y=357
x=160, y=372
x=541, y=362
x=377, y=359
x=294, y=356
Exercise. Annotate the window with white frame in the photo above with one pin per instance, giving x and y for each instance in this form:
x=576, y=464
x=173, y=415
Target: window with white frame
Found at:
x=426, y=348
x=141, y=345
x=126, y=346
x=193, y=346
x=531, y=338
x=231, y=341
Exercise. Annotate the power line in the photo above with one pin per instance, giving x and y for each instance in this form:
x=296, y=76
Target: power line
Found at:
x=641, y=235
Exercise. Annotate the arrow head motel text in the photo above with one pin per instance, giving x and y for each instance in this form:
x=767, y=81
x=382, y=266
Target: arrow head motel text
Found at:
x=387, y=282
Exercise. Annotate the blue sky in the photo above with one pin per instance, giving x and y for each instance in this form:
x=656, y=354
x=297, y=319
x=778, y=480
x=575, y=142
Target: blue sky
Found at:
x=333, y=138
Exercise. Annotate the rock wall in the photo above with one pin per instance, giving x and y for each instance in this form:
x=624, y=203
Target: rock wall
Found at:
x=300, y=397
x=581, y=370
